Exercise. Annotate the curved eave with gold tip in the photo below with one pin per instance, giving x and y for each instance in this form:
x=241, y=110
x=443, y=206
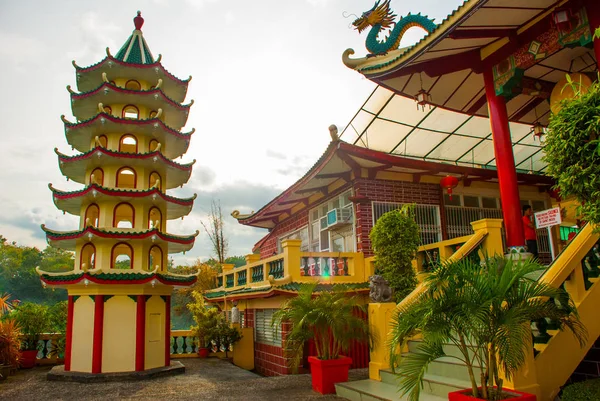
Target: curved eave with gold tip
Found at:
x=74, y=167
x=81, y=134
x=88, y=77
x=68, y=240
x=85, y=105
x=118, y=277
x=71, y=202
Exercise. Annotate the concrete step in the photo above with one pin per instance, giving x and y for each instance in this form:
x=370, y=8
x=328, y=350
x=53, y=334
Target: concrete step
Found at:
x=449, y=349
x=432, y=384
x=372, y=390
x=450, y=367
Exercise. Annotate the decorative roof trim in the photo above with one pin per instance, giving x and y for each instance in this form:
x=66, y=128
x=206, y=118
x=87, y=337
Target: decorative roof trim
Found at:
x=289, y=288
x=67, y=235
x=140, y=156
x=125, y=277
x=108, y=85
x=80, y=124
x=58, y=194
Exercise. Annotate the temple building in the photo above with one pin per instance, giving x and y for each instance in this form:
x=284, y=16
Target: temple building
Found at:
x=129, y=114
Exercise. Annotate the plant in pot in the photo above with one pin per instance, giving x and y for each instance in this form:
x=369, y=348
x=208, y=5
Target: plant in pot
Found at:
x=33, y=320
x=10, y=339
x=58, y=320
x=329, y=319
x=485, y=312
x=225, y=335
x=206, y=319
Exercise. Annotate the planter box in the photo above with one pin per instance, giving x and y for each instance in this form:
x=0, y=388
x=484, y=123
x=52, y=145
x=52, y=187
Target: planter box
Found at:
x=325, y=373
x=203, y=352
x=28, y=359
x=464, y=395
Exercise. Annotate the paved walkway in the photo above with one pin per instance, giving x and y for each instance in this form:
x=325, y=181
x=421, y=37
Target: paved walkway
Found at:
x=205, y=379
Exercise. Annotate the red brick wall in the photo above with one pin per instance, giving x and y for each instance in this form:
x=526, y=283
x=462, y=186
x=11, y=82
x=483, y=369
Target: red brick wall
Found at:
x=249, y=316
x=268, y=359
x=269, y=248
x=388, y=191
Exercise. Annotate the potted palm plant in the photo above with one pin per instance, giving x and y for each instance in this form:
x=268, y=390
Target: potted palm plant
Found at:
x=485, y=311
x=10, y=341
x=206, y=319
x=329, y=319
x=33, y=320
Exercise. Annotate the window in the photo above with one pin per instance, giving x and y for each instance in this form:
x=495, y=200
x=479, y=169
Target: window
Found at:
x=154, y=218
x=471, y=201
x=263, y=332
x=132, y=84
x=455, y=201
x=126, y=178
x=91, y=215
x=155, y=257
x=131, y=112
x=332, y=221
x=301, y=234
x=122, y=256
x=154, y=181
x=87, y=257
x=123, y=216
x=426, y=216
x=128, y=144
x=489, y=203
x=97, y=177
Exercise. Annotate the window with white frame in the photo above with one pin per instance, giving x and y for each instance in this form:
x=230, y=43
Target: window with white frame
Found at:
x=264, y=333
x=331, y=225
x=301, y=234
x=426, y=216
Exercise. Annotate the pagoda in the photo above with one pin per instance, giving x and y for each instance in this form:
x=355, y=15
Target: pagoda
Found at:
x=130, y=113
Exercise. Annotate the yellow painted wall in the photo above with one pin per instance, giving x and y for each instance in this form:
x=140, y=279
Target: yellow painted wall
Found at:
x=83, y=334
x=243, y=355
x=118, y=339
x=155, y=332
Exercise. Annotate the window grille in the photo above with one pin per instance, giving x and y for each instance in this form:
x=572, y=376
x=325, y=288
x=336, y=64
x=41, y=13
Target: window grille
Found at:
x=264, y=333
x=426, y=216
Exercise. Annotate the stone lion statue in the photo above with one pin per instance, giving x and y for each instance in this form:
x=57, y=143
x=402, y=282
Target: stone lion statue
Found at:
x=380, y=290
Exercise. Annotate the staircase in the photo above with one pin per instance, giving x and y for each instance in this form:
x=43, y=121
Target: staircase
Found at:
x=556, y=354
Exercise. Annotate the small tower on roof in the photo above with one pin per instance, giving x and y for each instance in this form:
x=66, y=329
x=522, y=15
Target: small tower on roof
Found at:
x=129, y=115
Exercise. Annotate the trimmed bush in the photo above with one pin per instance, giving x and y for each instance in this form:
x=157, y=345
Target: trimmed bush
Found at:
x=583, y=391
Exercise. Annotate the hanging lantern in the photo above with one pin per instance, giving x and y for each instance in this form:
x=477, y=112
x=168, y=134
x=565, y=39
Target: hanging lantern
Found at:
x=448, y=183
x=423, y=99
x=562, y=19
x=539, y=131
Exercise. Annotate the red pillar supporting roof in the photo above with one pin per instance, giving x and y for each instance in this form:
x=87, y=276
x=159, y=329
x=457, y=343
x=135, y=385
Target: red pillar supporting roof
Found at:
x=69, y=339
x=593, y=10
x=140, y=333
x=98, y=332
x=505, y=162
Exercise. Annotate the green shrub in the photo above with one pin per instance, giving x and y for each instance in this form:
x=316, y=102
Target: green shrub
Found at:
x=583, y=391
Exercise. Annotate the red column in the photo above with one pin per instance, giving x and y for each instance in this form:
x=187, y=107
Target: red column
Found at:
x=98, y=328
x=140, y=333
x=69, y=339
x=505, y=163
x=593, y=11
x=167, y=330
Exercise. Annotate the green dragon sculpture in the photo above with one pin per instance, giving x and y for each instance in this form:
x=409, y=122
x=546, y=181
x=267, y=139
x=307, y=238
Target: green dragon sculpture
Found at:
x=381, y=17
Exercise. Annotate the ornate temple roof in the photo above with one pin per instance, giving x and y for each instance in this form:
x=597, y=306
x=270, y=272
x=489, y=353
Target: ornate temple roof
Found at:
x=123, y=277
x=71, y=201
x=74, y=167
x=80, y=134
x=68, y=240
x=135, y=50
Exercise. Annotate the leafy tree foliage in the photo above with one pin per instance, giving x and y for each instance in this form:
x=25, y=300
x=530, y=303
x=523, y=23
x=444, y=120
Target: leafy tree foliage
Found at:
x=395, y=239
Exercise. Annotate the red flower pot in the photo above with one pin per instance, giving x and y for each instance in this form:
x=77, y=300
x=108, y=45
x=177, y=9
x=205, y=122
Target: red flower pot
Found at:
x=465, y=395
x=203, y=352
x=325, y=373
x=27, y=359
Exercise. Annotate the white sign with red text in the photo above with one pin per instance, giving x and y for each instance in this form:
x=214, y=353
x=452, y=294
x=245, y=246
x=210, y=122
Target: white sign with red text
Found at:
x=548, y=218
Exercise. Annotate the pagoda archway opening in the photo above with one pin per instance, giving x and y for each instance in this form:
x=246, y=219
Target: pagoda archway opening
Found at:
x=102, y=141
x=153, y=114
x=154, y=218
x=107, y=109
x=123, y=216
x=131, y=112
x=132, y=84
x=155, y=181
x=122, y=256
x=97, y=177
x=155, y=258
x=92, y=214
x=128, y=144
x=126, y=178
x=88, y=257
x=153, y=145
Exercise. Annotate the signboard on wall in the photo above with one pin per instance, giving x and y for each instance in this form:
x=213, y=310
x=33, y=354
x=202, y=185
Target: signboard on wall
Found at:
x=548, y=218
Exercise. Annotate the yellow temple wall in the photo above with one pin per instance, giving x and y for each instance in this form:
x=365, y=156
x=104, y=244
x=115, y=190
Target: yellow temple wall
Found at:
x=155, y=332
x=142, y=181
x=141, y=254
x=118, y=338
x=107, y=208
x=83, y=334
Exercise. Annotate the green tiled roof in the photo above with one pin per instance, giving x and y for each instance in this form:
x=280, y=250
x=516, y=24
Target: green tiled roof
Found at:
x=293, y=286
x=135, y=50
x=68, y=277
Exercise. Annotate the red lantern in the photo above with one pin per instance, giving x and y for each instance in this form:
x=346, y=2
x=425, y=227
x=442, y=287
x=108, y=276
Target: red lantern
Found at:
x=562, y=19
x=448, y=183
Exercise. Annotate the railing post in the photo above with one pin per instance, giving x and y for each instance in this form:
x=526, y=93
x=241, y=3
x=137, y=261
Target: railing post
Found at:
x=291, y=258
x=492, y=243
x=251, y=258
x=380, y=317
x=575, y=284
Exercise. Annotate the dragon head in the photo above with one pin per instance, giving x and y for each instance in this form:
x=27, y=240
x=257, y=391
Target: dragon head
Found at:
x=379, y=14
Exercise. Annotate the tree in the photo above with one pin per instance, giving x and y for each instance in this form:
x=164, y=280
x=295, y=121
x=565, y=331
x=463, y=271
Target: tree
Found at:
x=214, y=230
x=395, y=239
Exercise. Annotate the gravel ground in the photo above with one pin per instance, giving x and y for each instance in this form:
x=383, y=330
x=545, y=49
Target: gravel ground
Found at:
x=204, y=379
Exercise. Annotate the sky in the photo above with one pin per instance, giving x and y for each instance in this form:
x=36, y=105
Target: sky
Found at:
x=267, y=82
